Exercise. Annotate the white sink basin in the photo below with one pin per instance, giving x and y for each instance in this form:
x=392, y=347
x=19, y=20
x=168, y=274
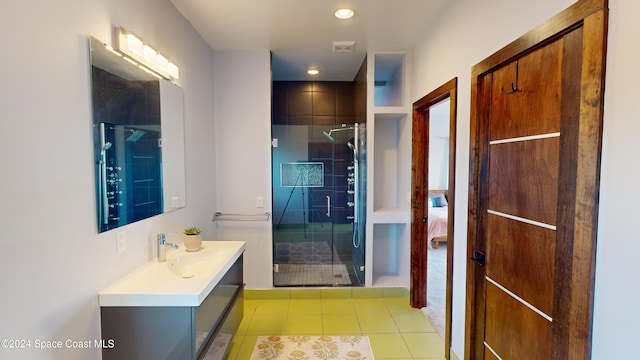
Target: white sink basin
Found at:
x=193, y=264
x=185, y=279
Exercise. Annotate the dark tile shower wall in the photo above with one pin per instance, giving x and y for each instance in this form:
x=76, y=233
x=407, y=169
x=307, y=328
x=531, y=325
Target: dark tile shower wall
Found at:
x=313, y=103
x=325, y=105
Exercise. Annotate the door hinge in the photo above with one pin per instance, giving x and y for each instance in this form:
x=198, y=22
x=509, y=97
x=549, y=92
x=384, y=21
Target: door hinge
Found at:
x=478, y=258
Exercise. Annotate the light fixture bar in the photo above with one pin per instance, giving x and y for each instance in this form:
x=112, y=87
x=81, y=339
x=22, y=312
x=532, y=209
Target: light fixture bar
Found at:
x=134, y=47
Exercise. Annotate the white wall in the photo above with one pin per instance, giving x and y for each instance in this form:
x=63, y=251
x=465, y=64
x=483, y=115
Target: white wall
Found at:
x=439, y=145
x=53, y=262
x=243, y=162
x=472, y=31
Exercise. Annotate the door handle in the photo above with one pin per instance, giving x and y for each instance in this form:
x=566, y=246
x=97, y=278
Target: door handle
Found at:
x=328, y=206
x=478, y=258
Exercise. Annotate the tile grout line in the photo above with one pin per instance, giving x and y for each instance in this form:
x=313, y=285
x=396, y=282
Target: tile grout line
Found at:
x=399, y=332
x=352, y=303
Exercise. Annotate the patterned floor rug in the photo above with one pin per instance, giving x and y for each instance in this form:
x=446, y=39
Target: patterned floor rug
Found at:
x=312, y=347
x=311, y=275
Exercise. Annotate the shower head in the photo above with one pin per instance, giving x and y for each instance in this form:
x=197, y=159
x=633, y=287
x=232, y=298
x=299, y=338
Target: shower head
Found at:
x=328, y=135
x=106, y=146
x=136, y=134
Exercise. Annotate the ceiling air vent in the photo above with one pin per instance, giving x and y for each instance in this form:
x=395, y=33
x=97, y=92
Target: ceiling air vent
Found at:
x=344, y=46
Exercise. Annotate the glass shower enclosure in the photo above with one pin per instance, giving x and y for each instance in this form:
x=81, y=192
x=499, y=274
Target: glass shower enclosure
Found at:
x=319, y=205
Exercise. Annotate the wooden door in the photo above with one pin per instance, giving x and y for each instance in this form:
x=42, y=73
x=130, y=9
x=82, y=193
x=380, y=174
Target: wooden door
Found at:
x=536, y=134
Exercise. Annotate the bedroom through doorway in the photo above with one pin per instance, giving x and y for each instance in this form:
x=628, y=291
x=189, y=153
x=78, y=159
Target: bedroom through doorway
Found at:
x=432, y=204
x=437, y=221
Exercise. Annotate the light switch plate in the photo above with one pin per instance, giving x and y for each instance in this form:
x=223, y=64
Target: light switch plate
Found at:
x=259, y=202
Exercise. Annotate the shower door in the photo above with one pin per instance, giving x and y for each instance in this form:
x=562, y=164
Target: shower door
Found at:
x=318, y=205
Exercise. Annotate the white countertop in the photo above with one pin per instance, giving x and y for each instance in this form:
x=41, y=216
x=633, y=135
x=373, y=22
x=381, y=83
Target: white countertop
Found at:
x=154, y=284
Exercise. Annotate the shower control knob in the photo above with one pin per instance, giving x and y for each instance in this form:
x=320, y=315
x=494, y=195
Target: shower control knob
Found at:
x=350, y=167
x=350, y=204
x=350, y=217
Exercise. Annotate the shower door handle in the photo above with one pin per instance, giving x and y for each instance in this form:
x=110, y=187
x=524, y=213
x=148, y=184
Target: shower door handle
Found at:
x=328, y=206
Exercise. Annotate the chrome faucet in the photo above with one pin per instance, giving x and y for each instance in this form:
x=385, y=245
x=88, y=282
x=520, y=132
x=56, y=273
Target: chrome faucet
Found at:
x=162, y=247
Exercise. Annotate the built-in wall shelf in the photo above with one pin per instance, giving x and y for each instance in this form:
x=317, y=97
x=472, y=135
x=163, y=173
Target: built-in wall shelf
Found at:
x=390, y=112
x=389, y=85
x=388, y=280
x=390, y=216
x=388, y=170
x=390, y=254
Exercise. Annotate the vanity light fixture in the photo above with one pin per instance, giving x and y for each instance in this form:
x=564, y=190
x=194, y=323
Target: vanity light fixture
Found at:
x=313, y=72
x=344, y=13
x=148, y=58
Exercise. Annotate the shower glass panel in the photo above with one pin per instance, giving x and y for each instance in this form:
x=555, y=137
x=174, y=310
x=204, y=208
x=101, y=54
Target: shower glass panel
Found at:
x=319, y=182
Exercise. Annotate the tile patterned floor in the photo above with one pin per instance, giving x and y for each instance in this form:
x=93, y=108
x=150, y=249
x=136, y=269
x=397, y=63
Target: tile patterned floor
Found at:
x=396, y=331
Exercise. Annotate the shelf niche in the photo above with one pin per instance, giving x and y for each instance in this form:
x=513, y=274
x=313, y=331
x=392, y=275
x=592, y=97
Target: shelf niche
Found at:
x=392, y=139
x=388, y=80
x=390, y=255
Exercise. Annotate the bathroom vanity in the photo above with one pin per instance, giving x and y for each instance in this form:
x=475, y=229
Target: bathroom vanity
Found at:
x=187, y=307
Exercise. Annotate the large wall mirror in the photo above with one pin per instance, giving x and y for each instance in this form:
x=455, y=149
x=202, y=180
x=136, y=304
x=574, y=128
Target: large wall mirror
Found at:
x=138, y=137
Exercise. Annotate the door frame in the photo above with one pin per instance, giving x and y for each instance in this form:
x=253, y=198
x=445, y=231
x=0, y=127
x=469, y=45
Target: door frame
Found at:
x=420, y=194
x=578, y=211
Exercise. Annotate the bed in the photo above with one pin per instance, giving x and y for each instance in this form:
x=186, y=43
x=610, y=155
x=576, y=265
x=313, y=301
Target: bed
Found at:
x=438, y=217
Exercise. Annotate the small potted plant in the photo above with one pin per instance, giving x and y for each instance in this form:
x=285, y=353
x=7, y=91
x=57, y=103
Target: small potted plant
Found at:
x=192, y=239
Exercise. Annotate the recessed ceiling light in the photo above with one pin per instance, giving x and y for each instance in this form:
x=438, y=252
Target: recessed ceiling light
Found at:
x=344, y=13
x=313, y=72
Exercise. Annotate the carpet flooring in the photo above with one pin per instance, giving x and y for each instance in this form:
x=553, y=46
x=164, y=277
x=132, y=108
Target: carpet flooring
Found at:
x=436, y=288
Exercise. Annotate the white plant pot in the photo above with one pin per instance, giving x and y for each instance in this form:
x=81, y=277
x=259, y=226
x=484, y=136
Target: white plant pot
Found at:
x=193, y=242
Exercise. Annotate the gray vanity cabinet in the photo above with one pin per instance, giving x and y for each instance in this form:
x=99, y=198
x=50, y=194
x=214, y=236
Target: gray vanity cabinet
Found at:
x=181, y=333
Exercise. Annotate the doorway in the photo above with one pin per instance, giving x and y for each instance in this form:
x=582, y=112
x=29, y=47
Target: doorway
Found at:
x=433, y=201
x=438, y=219
x=536, y=128
x=319, y=186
